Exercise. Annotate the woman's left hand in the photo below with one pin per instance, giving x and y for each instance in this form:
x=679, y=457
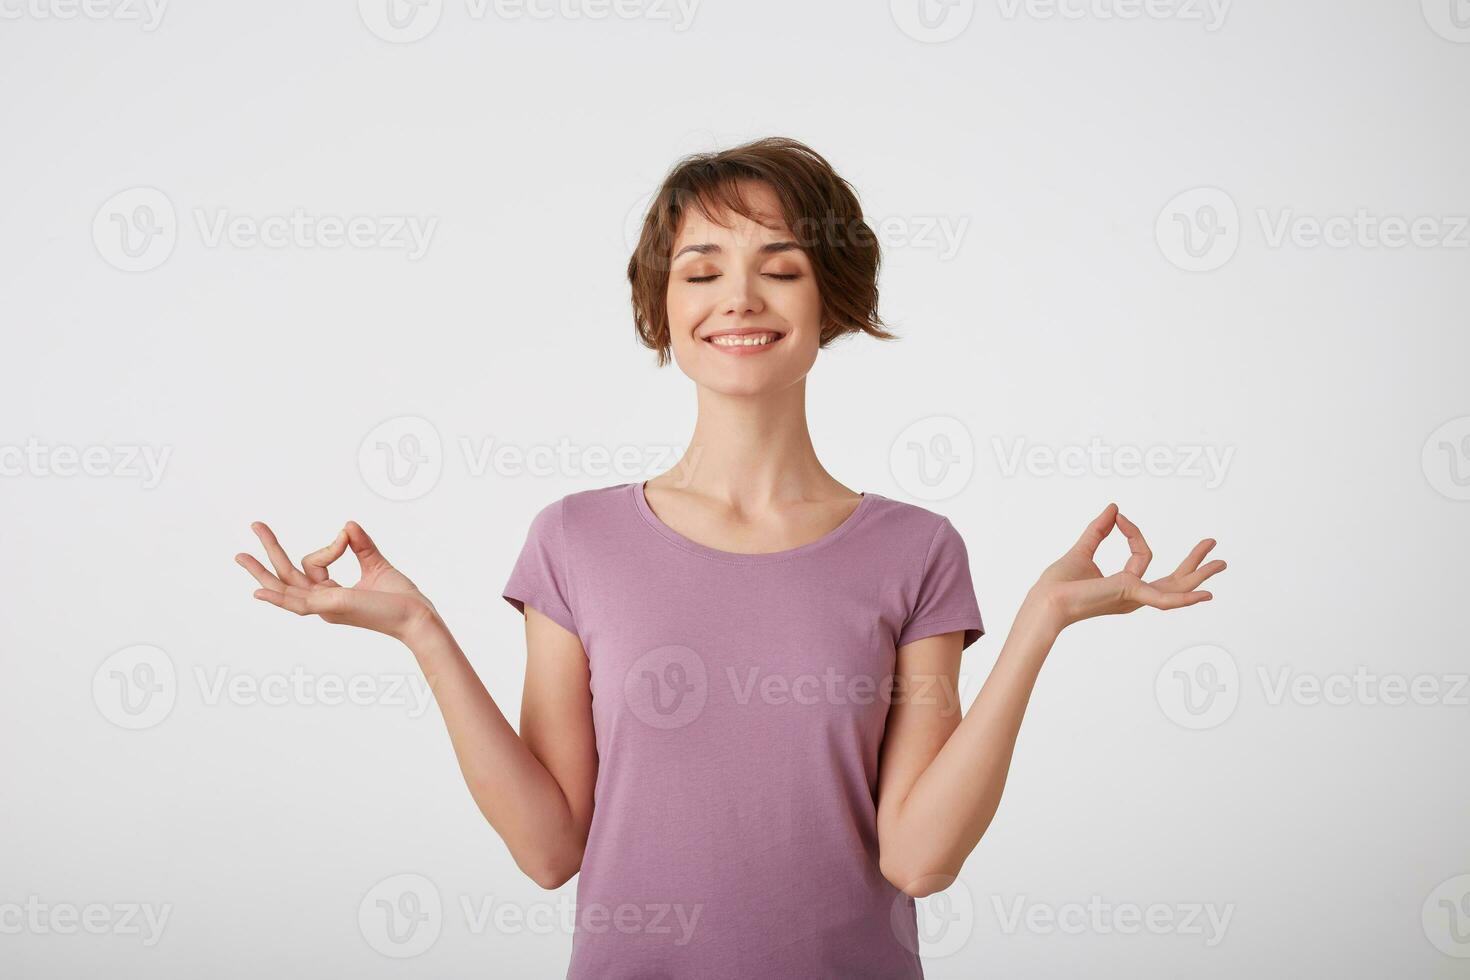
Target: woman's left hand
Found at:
x=1073, y=588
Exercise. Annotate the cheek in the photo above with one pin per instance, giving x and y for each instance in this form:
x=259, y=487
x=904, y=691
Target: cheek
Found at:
x=685, y=307
x=803, y=303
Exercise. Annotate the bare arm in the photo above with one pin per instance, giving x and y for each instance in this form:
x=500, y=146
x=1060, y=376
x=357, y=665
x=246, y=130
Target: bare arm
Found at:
x=941, y=777
x=534, y=788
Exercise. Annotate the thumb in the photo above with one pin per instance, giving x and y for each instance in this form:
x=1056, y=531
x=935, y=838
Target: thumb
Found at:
x=368, y=555
x=1100, y=528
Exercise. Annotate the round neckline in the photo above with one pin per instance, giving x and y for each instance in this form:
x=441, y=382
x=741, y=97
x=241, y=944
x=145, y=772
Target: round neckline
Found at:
x=640, y=502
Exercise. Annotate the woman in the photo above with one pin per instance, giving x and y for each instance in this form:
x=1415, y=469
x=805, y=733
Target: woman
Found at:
x=740, y=721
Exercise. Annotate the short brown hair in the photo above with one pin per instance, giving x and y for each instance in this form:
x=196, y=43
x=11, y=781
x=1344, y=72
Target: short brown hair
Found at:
x=818, y=206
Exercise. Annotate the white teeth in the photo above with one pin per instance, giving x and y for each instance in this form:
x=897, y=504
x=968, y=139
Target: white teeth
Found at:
x=748, y=340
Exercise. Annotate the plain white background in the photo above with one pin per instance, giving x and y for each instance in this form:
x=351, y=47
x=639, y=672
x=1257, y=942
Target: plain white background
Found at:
x=1230, y=233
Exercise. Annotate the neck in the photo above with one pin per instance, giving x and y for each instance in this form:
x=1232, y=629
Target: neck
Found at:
x=752, y=451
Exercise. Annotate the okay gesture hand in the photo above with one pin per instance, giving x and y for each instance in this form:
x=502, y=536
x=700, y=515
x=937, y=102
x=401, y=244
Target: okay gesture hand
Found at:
x=383, y=599
x=1073, y=588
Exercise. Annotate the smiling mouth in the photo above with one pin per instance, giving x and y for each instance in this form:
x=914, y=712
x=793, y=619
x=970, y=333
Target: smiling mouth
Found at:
x=745, y=343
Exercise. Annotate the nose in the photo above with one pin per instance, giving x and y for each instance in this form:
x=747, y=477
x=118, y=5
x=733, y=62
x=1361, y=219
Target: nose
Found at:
x=743, y=296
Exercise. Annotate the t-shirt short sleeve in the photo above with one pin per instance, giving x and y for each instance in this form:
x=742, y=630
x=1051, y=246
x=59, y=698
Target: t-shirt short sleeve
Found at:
x=946, y=596
x=540, y=577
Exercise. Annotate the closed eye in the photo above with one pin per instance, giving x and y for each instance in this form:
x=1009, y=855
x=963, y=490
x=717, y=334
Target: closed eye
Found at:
x=780, y=277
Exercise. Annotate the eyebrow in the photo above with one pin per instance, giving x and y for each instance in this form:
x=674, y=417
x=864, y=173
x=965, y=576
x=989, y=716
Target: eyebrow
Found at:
x=709, y=248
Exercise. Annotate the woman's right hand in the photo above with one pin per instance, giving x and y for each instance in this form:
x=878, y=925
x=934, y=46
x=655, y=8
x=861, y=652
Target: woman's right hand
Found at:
x=383, y=600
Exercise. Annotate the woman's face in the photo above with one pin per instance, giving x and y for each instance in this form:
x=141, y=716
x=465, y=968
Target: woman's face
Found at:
x=749, y=283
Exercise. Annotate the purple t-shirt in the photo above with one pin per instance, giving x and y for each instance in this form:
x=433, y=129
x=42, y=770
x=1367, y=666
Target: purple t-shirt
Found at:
x=739, y=702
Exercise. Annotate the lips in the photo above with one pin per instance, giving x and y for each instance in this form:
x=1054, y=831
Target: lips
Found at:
x=744, y=340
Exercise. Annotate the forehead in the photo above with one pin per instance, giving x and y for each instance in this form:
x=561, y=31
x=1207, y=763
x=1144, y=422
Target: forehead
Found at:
x=712, y=222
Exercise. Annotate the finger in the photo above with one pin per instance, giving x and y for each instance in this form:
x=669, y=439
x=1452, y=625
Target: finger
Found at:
x=306, y=602
x=287, y=572
x=275, y=598
x=1139, y=553
x=315, y=564
x=1099, y=529
x=367, y=553
x=1193, y=580
x=320, y=601
x=1150, y=596
x=1192, y=560
x=255, y=568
